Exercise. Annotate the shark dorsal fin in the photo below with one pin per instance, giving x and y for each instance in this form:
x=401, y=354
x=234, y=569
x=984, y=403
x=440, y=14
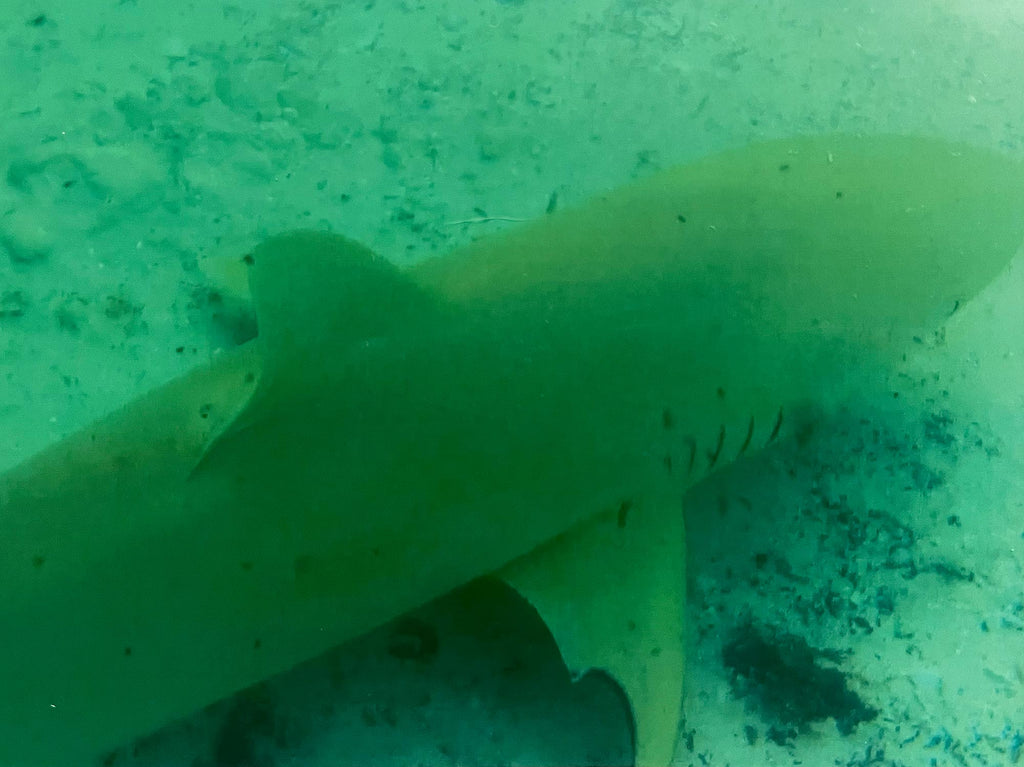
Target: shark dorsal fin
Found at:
x=317, y=296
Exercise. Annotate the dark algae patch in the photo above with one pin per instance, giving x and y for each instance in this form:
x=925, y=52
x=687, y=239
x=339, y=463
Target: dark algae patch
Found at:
x=785, y=679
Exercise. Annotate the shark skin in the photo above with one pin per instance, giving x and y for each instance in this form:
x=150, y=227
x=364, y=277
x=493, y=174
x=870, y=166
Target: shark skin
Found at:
x=531, y=407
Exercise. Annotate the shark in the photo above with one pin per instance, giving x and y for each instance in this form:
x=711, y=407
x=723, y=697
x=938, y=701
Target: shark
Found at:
x=531, y=407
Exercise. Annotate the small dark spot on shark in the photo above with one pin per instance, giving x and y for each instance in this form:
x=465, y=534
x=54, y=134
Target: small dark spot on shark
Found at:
x=303, y=565
x=624, y=508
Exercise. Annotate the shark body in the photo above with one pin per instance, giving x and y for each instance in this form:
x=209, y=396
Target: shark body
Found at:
x=532, y=406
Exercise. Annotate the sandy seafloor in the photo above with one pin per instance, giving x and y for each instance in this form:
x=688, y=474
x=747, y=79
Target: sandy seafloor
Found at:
x=855, y=601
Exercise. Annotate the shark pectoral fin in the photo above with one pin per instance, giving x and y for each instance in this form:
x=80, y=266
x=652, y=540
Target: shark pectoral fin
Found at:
x=612, y=593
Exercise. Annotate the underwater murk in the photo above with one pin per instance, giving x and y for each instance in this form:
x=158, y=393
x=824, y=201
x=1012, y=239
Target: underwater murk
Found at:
x=511, y=383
